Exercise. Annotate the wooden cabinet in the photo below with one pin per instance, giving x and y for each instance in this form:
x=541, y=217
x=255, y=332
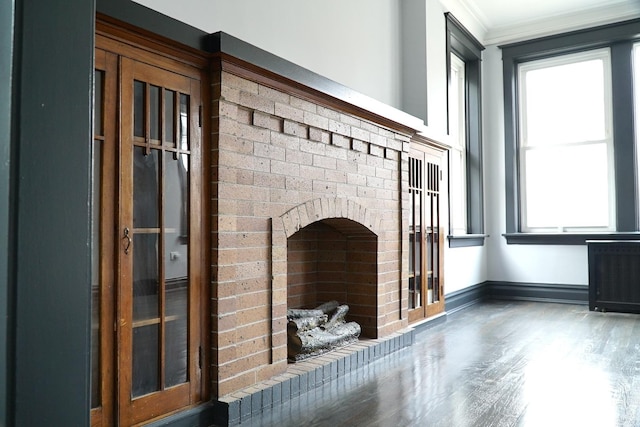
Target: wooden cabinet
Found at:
x=150, y=305
x=426, y=234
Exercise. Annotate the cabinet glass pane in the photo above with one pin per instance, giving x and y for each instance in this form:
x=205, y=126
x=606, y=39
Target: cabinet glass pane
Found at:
x=98, y=90
x=169, y=116
x=176, y=265
x=139, y=99
x=146, y=189
x=155, y=112
x=412, y=303
x=145, y=277
x=145, y=378
x=417, y=252
x=184, y=122
x=176, y=351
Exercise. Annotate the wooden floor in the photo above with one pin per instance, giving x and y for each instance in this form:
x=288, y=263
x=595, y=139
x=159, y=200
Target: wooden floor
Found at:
x=494, y=364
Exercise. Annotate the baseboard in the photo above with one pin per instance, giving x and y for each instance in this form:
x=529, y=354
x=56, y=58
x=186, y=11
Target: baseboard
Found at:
x=516, y=291
x=459, y=300
x=542, y=292
x=202, y=415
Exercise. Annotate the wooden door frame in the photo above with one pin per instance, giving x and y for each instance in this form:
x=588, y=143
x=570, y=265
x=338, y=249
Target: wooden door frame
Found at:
x=119, y=44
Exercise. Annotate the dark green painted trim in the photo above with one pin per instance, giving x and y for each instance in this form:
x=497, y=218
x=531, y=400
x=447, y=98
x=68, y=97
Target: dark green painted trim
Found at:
x=565, y=238
x=429, y=323
x=459, y=300
x=148, y=19
x=573, y=41
x=221, y=42
x=624, y=137
x=516, y=291
x=541, y=292
x=475, y=174
x=462, y=43
x=466, y=240
x=7, y=14
x=461, y=39
x=619, y=38
x=202, y=415
x=54, y=47
x=511, y=160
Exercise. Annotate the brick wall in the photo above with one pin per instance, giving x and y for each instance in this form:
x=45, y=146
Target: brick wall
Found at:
x=301, y=191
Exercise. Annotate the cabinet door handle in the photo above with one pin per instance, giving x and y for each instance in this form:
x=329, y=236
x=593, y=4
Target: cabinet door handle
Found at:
x=128, y=239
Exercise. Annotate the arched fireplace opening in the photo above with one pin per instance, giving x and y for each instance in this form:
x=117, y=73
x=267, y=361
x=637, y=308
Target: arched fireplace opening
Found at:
x=335, y=259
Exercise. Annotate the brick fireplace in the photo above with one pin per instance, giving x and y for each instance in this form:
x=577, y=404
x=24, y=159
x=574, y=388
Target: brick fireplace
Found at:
x=308, y=205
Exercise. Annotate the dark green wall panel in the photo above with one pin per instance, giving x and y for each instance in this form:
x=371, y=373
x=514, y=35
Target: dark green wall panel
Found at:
x=6, y=56
x=55, y=42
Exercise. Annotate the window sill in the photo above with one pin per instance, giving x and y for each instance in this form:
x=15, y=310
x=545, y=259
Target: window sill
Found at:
x=565, y=238
x=466, y=240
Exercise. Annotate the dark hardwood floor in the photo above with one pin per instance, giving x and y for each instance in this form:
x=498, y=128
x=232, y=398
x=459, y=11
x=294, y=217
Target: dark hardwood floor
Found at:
x=493, y=364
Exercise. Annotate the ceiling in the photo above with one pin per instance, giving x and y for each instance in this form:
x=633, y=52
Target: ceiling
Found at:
x=491, y=21
x=504, y=20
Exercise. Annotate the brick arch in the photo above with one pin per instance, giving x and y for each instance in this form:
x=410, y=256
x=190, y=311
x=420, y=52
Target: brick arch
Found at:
x=343, y=214
x=326, y=208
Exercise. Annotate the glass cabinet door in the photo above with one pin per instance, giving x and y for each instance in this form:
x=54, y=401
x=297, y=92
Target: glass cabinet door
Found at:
x=148, y=307
x=157, y=289
x=425, y=290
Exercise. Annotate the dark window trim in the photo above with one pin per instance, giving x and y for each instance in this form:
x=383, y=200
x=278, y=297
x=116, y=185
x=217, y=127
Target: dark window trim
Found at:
x=619, y=37
x=466, y=240
x=461, y=42
x=565, y=238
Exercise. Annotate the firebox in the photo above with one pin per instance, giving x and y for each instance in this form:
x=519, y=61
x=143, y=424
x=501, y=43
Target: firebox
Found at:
x=334, y=260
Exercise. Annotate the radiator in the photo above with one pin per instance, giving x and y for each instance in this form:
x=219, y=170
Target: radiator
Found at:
x=614, y=275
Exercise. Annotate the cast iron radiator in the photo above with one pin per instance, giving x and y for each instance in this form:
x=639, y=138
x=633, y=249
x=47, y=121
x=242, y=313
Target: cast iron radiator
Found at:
x=614, y=275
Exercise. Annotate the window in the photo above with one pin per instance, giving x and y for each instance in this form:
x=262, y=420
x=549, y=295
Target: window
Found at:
x=570, y=154
x=566, y=145
x=466, y=219
x=457, y=154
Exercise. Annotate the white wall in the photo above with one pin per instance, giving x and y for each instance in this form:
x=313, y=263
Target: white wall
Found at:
x=353, y=42
x=356, y=43
x=515, y=263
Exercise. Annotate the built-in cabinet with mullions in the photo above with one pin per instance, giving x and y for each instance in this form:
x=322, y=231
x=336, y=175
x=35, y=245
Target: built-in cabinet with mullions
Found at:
x=426, y=237
x=149, y=285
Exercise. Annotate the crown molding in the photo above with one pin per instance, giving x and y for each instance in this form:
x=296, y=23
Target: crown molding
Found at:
x=469, y=15
x=562, y=23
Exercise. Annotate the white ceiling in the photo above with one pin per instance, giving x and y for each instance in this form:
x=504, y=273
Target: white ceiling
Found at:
x=504, y=20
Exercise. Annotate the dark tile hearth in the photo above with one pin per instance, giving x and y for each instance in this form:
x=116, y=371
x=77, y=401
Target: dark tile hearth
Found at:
x=304, y=376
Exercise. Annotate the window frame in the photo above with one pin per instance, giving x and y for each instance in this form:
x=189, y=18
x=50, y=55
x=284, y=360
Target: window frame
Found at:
x=619, y=37
x=457, y=151
x=603, y=54
x=464, y=45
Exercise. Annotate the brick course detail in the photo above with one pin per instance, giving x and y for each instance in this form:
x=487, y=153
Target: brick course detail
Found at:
x=305, y=208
